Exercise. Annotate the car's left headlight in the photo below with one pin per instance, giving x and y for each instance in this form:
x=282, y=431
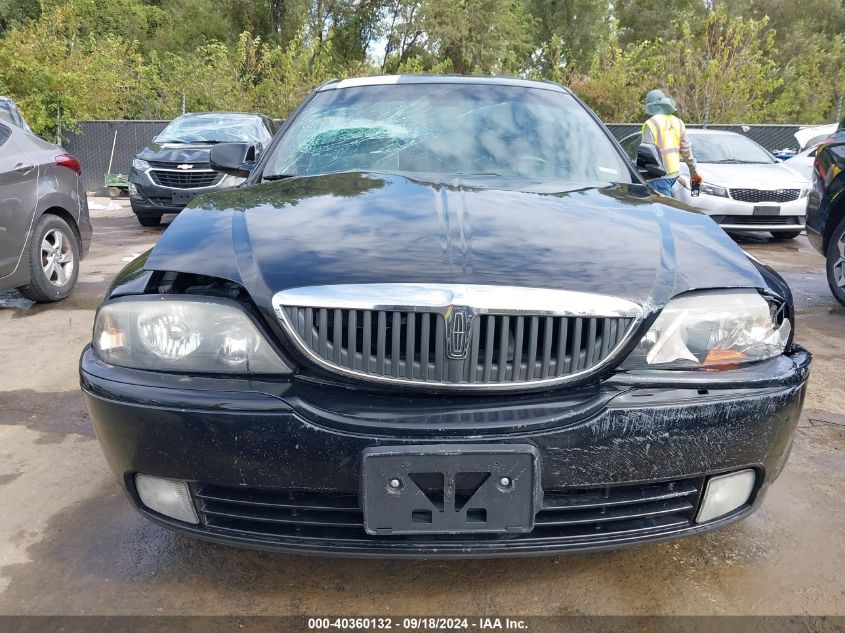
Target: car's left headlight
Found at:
x=713, y=329
x=183, y=335
x=713, y=190
x=805, y=191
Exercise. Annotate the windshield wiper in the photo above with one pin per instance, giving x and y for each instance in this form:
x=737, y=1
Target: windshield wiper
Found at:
x=278, y=177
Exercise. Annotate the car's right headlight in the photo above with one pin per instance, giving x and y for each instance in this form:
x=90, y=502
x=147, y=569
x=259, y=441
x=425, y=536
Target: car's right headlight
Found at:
x=183, y=335
x=140, y=165
x=711, y=330
x=713, y=190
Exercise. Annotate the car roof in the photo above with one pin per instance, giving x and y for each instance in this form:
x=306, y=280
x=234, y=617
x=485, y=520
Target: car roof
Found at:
x=384, y=80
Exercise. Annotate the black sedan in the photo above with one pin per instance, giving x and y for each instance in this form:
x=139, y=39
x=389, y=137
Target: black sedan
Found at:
x=444, y=317
x=826, y=210
x=169, y=172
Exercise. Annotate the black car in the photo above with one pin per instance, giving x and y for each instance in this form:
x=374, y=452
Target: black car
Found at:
x=173, y=169
x=826, y=210
x=444, y=317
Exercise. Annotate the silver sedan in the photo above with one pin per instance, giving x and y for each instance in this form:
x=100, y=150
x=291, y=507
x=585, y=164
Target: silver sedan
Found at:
x=745, y=188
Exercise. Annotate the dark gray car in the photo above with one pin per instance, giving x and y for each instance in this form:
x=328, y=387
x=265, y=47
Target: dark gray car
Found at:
x=44, y=225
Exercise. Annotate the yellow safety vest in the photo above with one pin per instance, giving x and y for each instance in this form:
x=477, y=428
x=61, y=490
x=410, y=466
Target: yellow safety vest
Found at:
x=667, y=130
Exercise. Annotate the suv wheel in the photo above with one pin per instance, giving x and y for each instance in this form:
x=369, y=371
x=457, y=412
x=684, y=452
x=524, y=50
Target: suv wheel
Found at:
x=836, y=262
x=53, y=260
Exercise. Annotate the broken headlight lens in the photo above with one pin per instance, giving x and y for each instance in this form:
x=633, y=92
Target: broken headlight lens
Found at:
x=183, y=335
x=713, y=329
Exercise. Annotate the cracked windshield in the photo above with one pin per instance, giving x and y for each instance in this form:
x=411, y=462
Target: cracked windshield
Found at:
x=467, y=130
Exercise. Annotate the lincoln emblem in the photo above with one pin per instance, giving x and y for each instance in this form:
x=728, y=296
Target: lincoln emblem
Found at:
x=458, y=328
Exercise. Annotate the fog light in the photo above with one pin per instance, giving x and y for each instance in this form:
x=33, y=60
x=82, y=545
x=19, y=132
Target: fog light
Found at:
x=166, y=496
x=725, y=493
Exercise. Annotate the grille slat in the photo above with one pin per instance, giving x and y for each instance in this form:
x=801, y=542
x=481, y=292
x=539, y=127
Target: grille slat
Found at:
x=185, y=180
x=517, y=349
x=615, y=512
x=381, y=342
x=763, y=195
x=488, y=347
x=410, y=333
x=503, y=348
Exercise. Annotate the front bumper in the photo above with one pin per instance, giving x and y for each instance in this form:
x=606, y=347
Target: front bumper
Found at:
x=149, y=198
x=262, y=456
x=735, y=215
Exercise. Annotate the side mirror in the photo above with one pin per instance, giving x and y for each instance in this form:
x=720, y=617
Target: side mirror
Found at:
x=235, y=159
x=648, y=161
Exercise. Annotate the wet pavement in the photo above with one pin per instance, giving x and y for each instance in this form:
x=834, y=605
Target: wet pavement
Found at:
x=70, y=544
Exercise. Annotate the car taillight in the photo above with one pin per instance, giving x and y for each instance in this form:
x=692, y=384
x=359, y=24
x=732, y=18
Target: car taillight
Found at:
x=69, y=161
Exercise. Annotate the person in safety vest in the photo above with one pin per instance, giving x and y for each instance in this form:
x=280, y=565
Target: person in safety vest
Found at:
x=669, y=134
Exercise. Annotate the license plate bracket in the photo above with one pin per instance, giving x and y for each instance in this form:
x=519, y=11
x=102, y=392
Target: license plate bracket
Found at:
x=179, y=197
x=766, y=210
x=448, y=489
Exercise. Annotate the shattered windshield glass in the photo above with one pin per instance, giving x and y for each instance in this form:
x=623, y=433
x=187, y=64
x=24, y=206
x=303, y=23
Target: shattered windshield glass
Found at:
x=215, y=128
x=449, y=129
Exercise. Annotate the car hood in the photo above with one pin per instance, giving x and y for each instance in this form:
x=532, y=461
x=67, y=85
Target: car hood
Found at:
x=176, y=152
x=356, y=228
x=750, y=176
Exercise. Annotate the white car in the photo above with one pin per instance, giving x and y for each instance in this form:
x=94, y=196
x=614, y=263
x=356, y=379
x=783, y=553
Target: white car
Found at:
x=745, y=188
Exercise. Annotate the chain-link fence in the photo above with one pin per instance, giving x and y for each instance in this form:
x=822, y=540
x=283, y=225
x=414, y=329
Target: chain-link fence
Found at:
x=94, y=140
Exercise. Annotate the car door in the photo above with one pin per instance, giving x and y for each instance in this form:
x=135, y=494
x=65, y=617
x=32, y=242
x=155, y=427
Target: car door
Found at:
x=18, y=187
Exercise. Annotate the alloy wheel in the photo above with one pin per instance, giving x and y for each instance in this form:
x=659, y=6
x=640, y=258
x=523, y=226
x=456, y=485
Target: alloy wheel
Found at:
x=56, y=257
x=839, y=264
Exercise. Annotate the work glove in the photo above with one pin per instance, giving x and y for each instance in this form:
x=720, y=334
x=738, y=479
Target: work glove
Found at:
x=695, y=178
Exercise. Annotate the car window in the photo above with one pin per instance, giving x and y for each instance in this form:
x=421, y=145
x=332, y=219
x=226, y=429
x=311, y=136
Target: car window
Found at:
x=5, y=133
x=465, y=129
x=631, y=143
x=215, y=128
x=727, y=148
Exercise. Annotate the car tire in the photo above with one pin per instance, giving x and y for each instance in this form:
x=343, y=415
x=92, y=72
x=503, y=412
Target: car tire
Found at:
x=785, y=235
x=148, y=220
x=53, y=260
x=836, y=262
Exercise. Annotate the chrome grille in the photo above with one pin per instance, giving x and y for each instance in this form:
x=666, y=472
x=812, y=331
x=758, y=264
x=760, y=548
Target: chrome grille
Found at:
x=185, y=179
x=453, y=345
x=763, y=195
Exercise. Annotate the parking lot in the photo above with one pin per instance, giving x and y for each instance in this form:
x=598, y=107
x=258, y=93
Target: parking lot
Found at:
x=70, y=544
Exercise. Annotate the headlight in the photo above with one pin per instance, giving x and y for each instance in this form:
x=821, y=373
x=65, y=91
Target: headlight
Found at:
x=806, y=191
x=713, y=190
x=709, y=329
x=140, y=165
x=183, y=335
